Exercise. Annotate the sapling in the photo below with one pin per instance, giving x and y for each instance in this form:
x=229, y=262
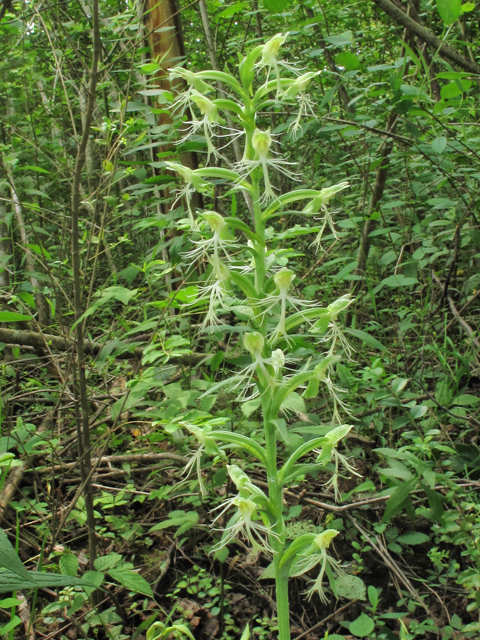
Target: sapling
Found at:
x=242, y=270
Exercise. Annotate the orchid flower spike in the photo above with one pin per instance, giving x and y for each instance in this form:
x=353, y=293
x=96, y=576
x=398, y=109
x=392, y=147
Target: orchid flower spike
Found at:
x=317, y=554
x=245, y=521
x=261, y=143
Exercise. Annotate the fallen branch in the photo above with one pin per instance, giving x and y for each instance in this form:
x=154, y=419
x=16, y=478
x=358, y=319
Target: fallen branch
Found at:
x=40, y=340
x=129, y=457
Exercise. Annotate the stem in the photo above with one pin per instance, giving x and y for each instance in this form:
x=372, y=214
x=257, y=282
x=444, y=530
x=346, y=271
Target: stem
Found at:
x=277, y=543
x=81, y=391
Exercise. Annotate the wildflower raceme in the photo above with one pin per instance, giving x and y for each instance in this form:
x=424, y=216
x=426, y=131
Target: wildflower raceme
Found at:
x=286, y=346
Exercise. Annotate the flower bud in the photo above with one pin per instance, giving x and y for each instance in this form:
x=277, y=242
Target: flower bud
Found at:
x=339, y=305
x=238, y=477
x=323, y=540
x=254, y=343
x=335, y=435
x=270, y=48
x=284, y=278
x=184, y=172
x=300, y=84
x=324, y=197
x=261, y=142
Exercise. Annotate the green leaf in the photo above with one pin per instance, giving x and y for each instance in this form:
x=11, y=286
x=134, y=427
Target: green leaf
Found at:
x=10, y=559
x=181, y=519
x=373, y=596
x=11, y=316
x=216, y=361
x=398, y=498
x=281, y=427
x=276, y=6
x=294, y=402
x=68, y=564
x=150, y=68
x=341, y=40
x=350, y=587
x=414, y=537
x=132, y=581
x=362, y=626
x=467, y=7
x=399, y=281
x=418, y=411
x=347, y=60
x=10, y=581
x=249, y=407
x=14, y=622
x=367, y=338
x=10, y=602
x=449, y=10
x=110, y=561
x=439, y=144
x=466, y=400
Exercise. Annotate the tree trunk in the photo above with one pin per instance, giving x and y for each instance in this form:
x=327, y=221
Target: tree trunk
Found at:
x=4, y=241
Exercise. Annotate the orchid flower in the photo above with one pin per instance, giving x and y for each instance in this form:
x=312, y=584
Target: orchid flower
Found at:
x=244, y=521
x=321, y=374
x=206, y=443
x=270, y=59
x=283, y=279
x=320, y=202
x=193, y=82
x=329, y=452
x=215, y=292
x=211, y=117
x=305, y=104
x=261, y=143
x=317, y=554
x=193, y=183
x=220, y=241
x=328, y=325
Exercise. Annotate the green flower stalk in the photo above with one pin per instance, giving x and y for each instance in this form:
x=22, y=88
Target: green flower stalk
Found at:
x=262, y=280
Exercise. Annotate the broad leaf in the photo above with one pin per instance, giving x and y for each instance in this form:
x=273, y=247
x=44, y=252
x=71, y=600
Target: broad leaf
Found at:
x=12, y=316
x=449, y=10
x=132, y=581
